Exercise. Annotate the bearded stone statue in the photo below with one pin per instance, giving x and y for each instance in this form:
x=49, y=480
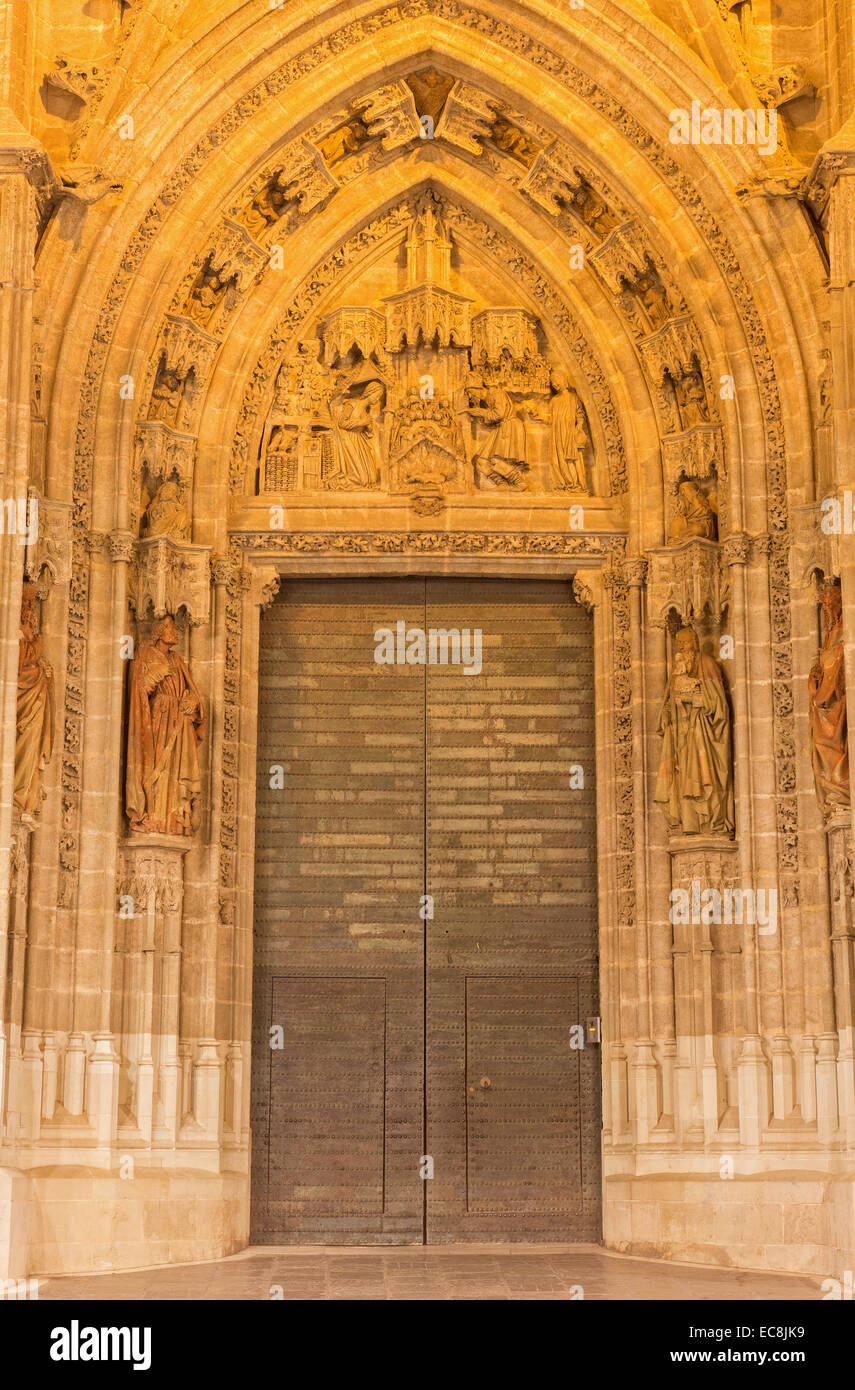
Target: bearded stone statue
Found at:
x=827, y=694
x=165, y=726
x=695, y=782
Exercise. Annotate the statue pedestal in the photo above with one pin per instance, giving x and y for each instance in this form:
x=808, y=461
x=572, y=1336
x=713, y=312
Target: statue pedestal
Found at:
x=149, y=938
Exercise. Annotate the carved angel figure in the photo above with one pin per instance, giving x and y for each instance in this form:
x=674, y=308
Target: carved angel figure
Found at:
x=165, y=726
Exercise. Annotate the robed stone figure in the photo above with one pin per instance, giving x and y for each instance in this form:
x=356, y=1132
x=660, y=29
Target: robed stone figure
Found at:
x=568, y=435
x=165, y=725
x=34, y=727
x=695, y=783
x=827, y=695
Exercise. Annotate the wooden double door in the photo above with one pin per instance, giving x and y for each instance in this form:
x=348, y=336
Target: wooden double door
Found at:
x=425, y=916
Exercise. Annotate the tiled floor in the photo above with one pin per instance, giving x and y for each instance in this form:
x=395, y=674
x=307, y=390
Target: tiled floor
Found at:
x=446, y=1272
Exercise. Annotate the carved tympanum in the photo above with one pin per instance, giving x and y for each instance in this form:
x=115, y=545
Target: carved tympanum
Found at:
x=827, y=694
x=695, y=782
x=34, y=729
x=165, y=725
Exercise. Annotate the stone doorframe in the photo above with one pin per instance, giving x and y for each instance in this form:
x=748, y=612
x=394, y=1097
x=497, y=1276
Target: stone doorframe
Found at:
x=608, y=585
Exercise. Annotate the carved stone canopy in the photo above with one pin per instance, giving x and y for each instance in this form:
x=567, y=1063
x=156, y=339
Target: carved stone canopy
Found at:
x=167, y=576
x=685, y=580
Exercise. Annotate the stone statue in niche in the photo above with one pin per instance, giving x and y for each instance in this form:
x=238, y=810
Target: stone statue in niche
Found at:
x=170, y=393
x=34, y=726
x=651, y=293
x=692, y=397
x=266, y=208
x=212, y=293
x=165, y=725
x=827, y=695
x=568, y=435
x=356, y=439
x=591, y=208
x=695, y=782
x=502, y=459
x=165, y=514
x=694, y=515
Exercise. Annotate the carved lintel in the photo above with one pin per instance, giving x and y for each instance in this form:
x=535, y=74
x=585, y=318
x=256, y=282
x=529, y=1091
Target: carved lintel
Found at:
x=169, y=575
x=686, y=580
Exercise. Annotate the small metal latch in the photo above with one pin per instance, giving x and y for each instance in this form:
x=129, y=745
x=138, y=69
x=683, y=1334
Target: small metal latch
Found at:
x=592, y=1030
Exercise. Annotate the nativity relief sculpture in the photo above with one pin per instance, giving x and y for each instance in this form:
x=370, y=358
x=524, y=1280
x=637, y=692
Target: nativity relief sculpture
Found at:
x=424, y=394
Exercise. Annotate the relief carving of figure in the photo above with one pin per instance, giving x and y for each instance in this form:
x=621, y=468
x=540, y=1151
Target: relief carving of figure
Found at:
x=166, y=513
x=503, y=458
x=34, y=727
x=694, y=514
x=356, y=438
x=692, y=398
x=165, y=725
x=266, y=208
x=212, y=292
x=695, y=782
x=169, y=395
x=569, y=435
x=827, y=697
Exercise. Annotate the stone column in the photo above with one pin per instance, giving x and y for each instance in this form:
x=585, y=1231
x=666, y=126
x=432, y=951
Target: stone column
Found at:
x=151, y=888
x=20, y=160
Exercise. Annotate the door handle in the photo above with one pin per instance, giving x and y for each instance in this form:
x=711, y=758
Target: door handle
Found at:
x=486, y=1083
